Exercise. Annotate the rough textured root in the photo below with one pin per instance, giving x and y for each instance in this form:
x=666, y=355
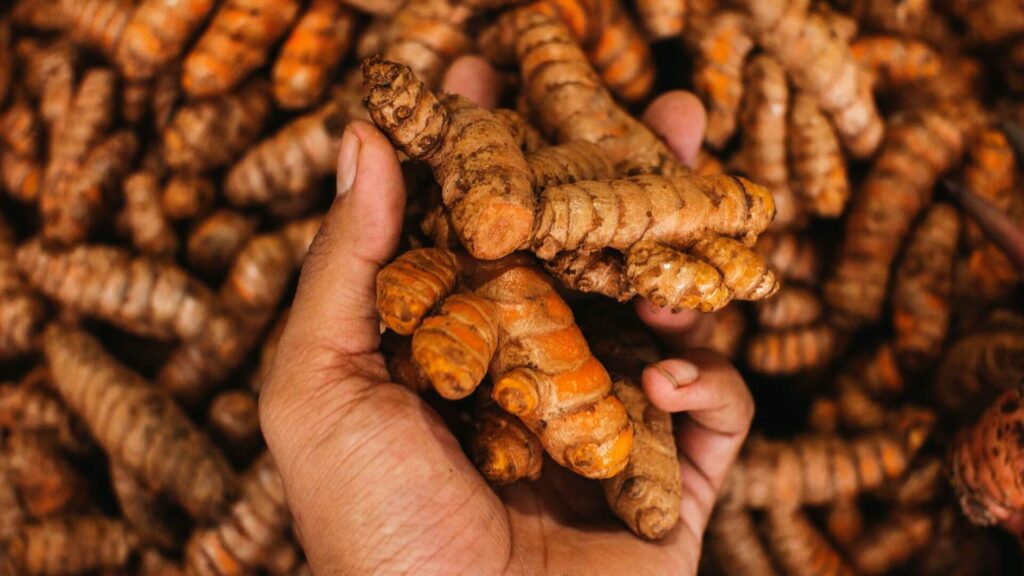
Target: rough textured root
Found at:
x=85, y=118
x=647, y=494
x=895, y=61
x=12, y=516
x=990, y=21
x=321, y=38
x=987, y=464
x=922, y=485
x=734, y=545
x=529, y=138
x=237, y=41
x=793, y=306
x=164, y=102
x=744, y=272
x=153, y=563
x=673, y=211
x=707, y=164
x=402, y=367
x=117, y=405
x=568, y=163
x=816, y=470
x=977, y=367
x=151, y=298
x=502, y=447
x=799, y=548
x=71, y=545
x=791, y=350
x=77, y=202
x=249, y=295
x=484, y=177
x=859, y=410
x=186, y=197
x=560, y=85
x=762, y=153
x=670, y=278
x=19, y=129
x=844, y=522
x=622, y=56
x=150, y=231
x=891, y=15
x=30, y=407
x=879, y=373
x=921, y=307
x=20, y=177
x=233, y=420
x=892, y=542
x=817, y=165
x=49, y=75
x=215, y=241
x=212, y=133
x=136, y=100
x=662, y=19
x=598, y=271
x=96, y=23
x=919, y=147
x=410, y=287
x=427, y=35
x=545, y=374
x=246, y=538
x=820, y=64
x=22, y=314
x=143, y=509
x=158, y=33
x=46, y=482
x=454, y=346
x=287, y=165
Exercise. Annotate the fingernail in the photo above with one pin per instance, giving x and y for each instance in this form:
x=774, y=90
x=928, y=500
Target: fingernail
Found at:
x=679, y=373
x=348, y=163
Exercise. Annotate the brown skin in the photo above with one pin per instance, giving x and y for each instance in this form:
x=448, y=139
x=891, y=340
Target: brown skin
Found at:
x=406, y=472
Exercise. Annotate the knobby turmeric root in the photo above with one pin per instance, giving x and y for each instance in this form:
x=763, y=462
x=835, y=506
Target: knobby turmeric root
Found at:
x=733, y=544
x=145, y=510
x=542, y=369
x=22, y=314
x=71, y=545
x=321, y=38
x=502, y=447
x=799, y=548
x=721, y=48
x=890, y=543
x=158, y=33
x=117, y=405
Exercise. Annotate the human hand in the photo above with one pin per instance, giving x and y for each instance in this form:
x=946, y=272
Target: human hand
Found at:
x=375, y=480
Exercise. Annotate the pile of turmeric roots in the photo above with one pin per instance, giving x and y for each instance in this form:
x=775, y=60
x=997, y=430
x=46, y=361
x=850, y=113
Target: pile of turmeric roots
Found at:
x=165, y=164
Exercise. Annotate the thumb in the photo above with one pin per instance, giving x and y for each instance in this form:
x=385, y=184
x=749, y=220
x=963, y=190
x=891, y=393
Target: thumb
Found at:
x=335, y=300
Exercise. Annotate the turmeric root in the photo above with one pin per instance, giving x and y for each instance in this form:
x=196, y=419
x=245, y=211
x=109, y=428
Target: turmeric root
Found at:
x=33, y=408
x=50, y=76
x=236, y=42
x=144, y=509
x=212, y=133
x=20, y=176
x=977, y=367
x=215, y=240
x=647, y=494
x=791, y=350
x=799, y=548
x=286, y=165
x=734, y=545
x=818, y=470
x=187, y=197
x=22, y=314
x=990, y=21
x=117, y=405
x=844, y=522
x=244, y=540
x=721, y=48
x=792, y=306
x=821, y=65
x=233, y=421
x=157, y=34
x=568, y=163
x=502, y=447
x=71, y=545
x=818, y=168
x=455, y=345
x=321, y=38
x=12, y=516
x=96, y=23
x=923, y=288
x=891, y=15
x=621, y=55
x=19, y=129
x=153, y=298
x=46, y=482
x=484, y=178
x=892, y=542
x=7, y=59
x=87, y=117
x=584, y=428
x=662, y=19
x=919, y=147
x=597, y=271
x=792, y=256
x=895, y=61
x=151, y=233
x=986, y=462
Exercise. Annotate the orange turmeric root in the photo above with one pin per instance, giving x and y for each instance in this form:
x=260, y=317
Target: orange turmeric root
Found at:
x=321, y=38
x=923, y=288
x=187, y=197
x=96, y=23
x=821, y=65
x=71, y=545
x=22, y=314
x=582, y=427
x=733, y=544
x=144, y=509
x=662, y=19
x=818, y=168
x=32, y=407
x=895, y=61
x=792, y=256
x=20, y=176
x=502, y=447
x=889, y=544
x=117, y=405
x=150, y=231
x=233, y=420
x=19, y=129
x=987, y=464
x=721, y=47
x=819, y=470
x=799, y=548
x=215, y=240
x=46, y=482
x=236, y=42
x=791, y=350
x=212, y=133
x=158, y=33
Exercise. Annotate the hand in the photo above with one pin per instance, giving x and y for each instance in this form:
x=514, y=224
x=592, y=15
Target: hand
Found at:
x=377, y=483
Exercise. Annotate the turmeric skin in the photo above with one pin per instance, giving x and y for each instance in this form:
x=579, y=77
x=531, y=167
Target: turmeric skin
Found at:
x=22, y=314
x=99, y=24
x=186, y=197
x=321, y=38
x=799, y=548
x=157, y=34
x=233, y=421
x=151, y=233
x=792, y=256
x=502, y=447
x=734, y=545
x=890, y=543
x=20, y=129
x=215, y=240
x=145, y=511
x=895, y=61
x=454, y=346
x=116, y=403
x=20, y=176
x=817, y=166
x=70, y=545
x=45, y=480
x=236, y=42
x=791, y=350
x=793, y=306
x=662, y=19
x=721, y=47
